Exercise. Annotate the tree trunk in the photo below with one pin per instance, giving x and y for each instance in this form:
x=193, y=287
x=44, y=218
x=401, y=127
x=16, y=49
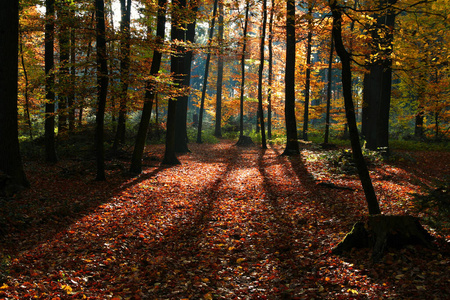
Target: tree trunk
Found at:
x=73, y=83
x=102, y=88
x=363, y=172
x=64, y=57
x=125, y=10
x=10, y=158
x=243, y=139
x=218, y=124
x=150, y=93
x=289, y=110
x=176, y=68
x=181, y=138
x=205, y=78
x=50, y=147
x=270, y=75
x=27, y=98
x=377, y=84
x=308, y=75
x=330, y=81
x=260, y=76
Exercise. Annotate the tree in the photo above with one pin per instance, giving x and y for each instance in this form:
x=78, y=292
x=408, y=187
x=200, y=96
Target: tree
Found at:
x=64, y=57
x=270, y=75
x=205, y=77
x=289, y=110
x=378, y=82
x=50, y=148
x=125, y=10
x=10, y=157
x=176, y=68
x=330, y=81
x=102, y=88
x=260, y=75
x=150, y=91
x=243, y=140
x=218, y=123
x=381, y=229
x=308, y=73
x=181, y=138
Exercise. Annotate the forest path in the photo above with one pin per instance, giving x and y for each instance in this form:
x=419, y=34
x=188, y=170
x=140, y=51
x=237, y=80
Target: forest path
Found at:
x=229, y=223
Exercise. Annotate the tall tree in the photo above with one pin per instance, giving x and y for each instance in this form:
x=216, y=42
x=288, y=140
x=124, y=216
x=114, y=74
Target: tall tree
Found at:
x=244, y=53
x=125, y=10
x=50, y=147
x=270, y=75
x=378, y=82
x=260, y=75
x=363, y=172
x=102, y=87
x=150, y=92
x=308, y=73
x=181, y=138
x=10, y=158
x=219, y=83
x=64, y=57
x=205, y=78
x=176, y=68
x=289, y=109
x=330, y=81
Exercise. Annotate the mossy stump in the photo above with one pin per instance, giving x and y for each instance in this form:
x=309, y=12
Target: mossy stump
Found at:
x=381, y=231
x=245, y=141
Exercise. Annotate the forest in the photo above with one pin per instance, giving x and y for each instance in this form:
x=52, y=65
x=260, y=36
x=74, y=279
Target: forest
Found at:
x=224, y=149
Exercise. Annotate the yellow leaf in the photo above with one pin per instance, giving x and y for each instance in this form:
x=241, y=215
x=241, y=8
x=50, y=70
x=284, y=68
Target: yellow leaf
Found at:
x=4, y=286
x=205, y=280
x=240, y=260
x=66, y=288
x=208, y=296
x=352, y=291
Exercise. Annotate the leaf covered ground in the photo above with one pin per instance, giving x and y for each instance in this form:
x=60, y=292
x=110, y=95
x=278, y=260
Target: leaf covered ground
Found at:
x=229, y=223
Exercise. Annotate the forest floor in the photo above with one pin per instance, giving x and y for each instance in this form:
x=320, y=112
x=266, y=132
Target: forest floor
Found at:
x=228, y=223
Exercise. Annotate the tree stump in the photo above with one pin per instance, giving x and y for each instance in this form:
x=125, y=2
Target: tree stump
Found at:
x=245, y=141
x=380, y=231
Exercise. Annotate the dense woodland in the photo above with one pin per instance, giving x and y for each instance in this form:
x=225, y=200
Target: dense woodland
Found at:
x=222, y=149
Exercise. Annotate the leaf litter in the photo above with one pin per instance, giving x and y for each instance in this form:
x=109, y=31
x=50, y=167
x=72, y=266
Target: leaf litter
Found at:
x=229, y=223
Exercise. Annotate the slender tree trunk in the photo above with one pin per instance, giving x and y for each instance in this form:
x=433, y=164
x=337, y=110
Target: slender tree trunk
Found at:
x=260, y=76
x=363, y=172
x=102, y=88
x=244, y=50
x=330, y=82
x=27, y=98
x=176, y=68
x=150, y=93
x=308, y=76
x=64, y=57
x=50, y=147
x=125, y=10
x=205, y=78
x=73, y=83
x=218, y=124
x=270, y=75
x=10, y=158
x=289, y=110
x=181, y=138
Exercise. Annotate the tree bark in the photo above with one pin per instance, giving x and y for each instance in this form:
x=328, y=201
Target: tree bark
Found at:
x=330, y=81
x=244, y=53
x=125, y=10
x=64, y=57
x=270, y=75
x=150, y=93
x=308, y=76
x=218, y=124
x=205, y=77
x=181, y=138
x=102, y=88
x=10, y=158
x=260, y=76
x=50, y=147
x=363, y=172
x=289, y=110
